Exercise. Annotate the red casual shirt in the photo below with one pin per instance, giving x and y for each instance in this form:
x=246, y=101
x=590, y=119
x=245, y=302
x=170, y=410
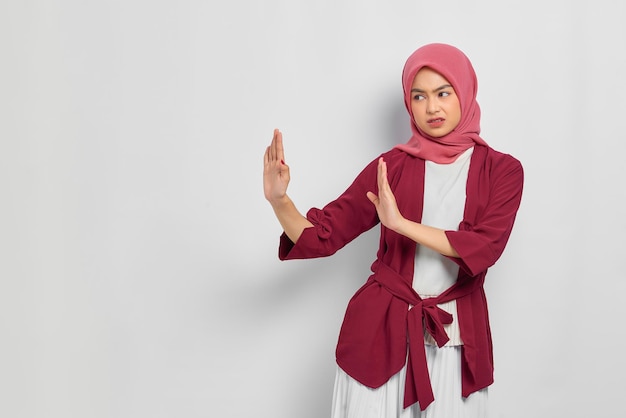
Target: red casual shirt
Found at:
x=386, y=312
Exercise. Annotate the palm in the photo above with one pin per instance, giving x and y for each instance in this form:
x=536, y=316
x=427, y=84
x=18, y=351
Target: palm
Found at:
x=275, y=171
x=385, y=202
x=275, y=180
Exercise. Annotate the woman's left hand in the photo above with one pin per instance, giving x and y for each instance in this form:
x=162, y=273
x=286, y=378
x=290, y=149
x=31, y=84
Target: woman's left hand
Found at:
x=385, y=202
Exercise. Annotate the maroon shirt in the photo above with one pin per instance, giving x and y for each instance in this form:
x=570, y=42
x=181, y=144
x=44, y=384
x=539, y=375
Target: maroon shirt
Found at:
x=372, y=344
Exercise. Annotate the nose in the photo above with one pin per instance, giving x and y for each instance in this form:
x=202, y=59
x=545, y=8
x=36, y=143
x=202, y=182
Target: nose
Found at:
x=432, y=106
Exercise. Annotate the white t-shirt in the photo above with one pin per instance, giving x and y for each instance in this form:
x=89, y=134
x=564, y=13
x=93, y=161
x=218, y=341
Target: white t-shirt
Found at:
x=444, y=203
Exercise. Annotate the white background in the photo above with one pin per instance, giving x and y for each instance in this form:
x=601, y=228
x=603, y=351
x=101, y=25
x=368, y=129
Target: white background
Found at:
x=138, y=259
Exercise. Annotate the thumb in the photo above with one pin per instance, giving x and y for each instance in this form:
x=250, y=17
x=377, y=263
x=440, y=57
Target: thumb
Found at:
x=372, y=197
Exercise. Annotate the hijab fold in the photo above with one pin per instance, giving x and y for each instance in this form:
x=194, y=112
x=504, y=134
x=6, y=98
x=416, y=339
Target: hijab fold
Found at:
x=453, y=65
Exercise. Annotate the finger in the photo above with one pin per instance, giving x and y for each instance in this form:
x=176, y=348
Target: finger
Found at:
x=372, y=197
x=280, y=151
x=267, y=157
x=379, y=175
x=384, y=182
x=272, y=153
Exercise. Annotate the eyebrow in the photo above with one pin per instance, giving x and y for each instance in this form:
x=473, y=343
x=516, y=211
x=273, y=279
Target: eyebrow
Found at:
x=445, y=86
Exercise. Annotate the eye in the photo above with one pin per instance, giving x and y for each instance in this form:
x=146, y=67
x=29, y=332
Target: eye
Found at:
x=418, y=97
x=444, y=94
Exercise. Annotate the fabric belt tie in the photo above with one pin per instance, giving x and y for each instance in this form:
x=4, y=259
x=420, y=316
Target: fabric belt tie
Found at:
x=424, y=314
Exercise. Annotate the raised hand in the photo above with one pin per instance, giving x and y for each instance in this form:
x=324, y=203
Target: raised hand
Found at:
x=275, y=182
x=275, y=171
x=385, y=202
x=390, y=216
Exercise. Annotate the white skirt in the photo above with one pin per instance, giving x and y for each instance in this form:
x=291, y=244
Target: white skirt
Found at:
x=352, y=399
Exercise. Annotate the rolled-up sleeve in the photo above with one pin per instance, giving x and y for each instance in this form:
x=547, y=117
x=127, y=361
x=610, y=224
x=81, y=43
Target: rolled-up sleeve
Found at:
x=337, y=223
x=480, y=243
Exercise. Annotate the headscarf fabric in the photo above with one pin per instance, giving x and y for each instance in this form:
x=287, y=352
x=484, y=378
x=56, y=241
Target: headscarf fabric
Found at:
x=453, y=65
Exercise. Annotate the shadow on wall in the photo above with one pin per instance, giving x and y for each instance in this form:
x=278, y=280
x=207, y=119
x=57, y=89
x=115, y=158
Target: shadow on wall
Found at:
x=357, y=256
x=349, y=268
x=291, y=312
x=291, y=300
x=297, y=280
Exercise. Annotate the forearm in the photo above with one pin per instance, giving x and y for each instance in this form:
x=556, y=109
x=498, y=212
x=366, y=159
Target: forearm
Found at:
x=433, y=238
x=292, y=221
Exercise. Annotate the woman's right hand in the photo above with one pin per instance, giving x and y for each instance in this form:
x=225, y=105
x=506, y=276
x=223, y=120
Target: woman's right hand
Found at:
x=275, y=171
x=275, y=182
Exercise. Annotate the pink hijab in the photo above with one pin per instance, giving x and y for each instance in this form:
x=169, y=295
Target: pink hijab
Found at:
x=452, y=64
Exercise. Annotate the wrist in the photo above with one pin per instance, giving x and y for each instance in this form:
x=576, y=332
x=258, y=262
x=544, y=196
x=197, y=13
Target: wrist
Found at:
x=280, y=202
x=401, y=226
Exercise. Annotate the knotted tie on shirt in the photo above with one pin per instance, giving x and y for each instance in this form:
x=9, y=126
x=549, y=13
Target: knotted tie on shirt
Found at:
x=423, y=314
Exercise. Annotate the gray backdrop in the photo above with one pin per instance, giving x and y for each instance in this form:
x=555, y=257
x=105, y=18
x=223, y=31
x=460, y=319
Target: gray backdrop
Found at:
x=138, y=259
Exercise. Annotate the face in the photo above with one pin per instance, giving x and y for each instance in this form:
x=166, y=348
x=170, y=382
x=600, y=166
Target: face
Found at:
x=434, y=103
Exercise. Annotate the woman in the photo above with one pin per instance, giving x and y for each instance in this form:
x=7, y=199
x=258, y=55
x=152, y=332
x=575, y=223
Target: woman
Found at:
x=415, y=341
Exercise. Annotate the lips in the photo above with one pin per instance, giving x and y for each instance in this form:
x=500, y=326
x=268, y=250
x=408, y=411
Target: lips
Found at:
x=435, y=122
